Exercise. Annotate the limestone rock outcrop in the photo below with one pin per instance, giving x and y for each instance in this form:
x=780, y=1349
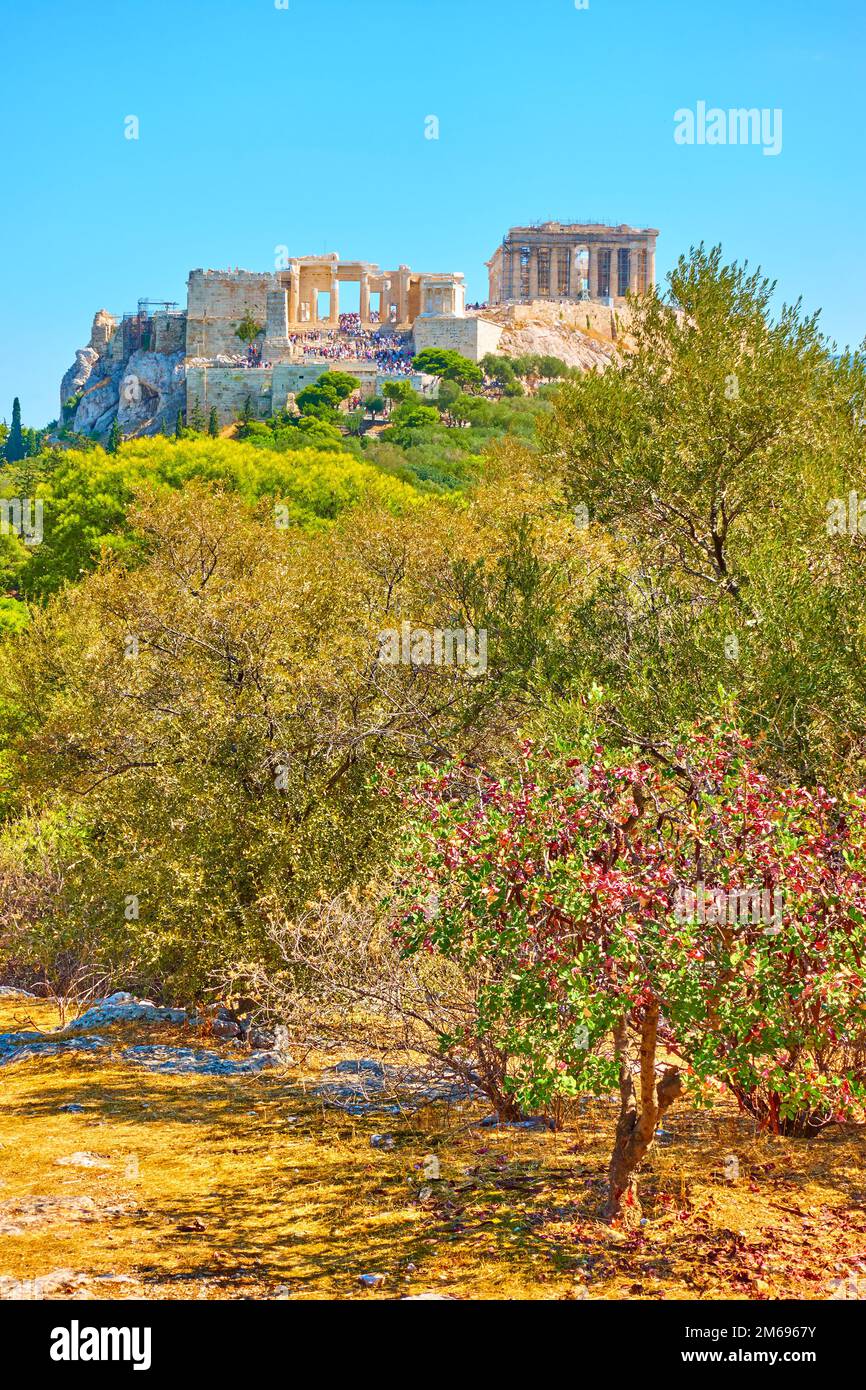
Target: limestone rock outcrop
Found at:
x=570, y=345
x=140, y=389
x=98, y=407
x=79, y=373
x=151, y=392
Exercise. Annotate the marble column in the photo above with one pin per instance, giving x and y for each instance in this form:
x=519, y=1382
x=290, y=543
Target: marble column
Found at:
x=553, y=283
x=334, y=316
x=294, y=295
x=634, y=270
x=533, y=273
x=599, y=281
x=364, y=307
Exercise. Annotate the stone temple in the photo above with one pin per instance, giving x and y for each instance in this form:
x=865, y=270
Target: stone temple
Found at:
x=140, y=368
x=572, y=261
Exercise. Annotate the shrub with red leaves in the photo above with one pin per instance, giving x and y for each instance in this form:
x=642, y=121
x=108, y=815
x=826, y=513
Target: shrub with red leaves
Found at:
x=622, y=898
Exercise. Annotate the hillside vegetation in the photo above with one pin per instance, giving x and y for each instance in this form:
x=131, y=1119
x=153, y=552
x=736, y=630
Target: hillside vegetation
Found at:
x=424, y=728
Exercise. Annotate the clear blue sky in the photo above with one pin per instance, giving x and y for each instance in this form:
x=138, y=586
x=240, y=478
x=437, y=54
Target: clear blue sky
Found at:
x=305, y=126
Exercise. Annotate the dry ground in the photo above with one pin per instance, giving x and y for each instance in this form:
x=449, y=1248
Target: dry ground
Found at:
x=249, y=1187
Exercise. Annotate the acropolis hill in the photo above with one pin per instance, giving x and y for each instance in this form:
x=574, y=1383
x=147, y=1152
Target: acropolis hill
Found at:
x=553, y=287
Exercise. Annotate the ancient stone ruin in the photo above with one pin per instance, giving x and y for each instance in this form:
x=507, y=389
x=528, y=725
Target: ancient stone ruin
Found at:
x=574, y=261
x=249, y=341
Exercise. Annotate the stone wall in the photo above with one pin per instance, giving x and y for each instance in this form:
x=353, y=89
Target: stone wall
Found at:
x=269, y=388
x=169, y=333
x=227, y=388
x=217, y=301
x=473, y=337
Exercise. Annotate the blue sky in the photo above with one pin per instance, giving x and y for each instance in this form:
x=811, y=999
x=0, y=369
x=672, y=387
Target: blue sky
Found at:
x=305, y=126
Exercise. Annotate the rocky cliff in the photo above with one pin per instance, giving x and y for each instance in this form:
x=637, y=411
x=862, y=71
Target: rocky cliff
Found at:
x=589, y=335
x=113, y=379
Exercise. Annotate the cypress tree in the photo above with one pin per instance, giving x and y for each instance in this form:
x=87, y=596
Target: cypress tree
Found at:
x=213, y=424
x=178, y=429
x=15, y=449
x=114, y=438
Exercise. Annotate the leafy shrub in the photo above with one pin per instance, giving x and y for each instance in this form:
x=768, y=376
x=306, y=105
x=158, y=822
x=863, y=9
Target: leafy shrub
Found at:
x=564, y=881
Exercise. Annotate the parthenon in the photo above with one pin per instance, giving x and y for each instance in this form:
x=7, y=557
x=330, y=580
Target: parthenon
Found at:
x=574, y=261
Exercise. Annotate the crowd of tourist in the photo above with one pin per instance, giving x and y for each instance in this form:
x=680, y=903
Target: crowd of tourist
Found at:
x=391, y=351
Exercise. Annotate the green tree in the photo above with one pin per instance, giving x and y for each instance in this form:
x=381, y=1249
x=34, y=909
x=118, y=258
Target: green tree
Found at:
x=88, y=494
x=213, y=424
x=400, y=392
x=711, y=456
x=445, y=362
x=233, y=760
x=323, y=396
x=14, y=448
x=342, y=383
x=197, y=420
x=178, y=426
x=248, y=330
x=500, y=370
x=447, y=395
x=408, y=417
x=114, y=438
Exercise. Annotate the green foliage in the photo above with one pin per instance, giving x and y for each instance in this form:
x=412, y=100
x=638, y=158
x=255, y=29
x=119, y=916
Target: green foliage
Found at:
x=568, y=881
x=13, y=556
x=224, y=774
x=14, y=615
x=248, y=330
x=400, y=392
x=540, y=366
x=87, y=495
x=610, y=535
x=408, y=418
x=712, y=457
x=501, y=371
x=343, y=384
x=322, y=398
x=14, y=447
x=451, y=365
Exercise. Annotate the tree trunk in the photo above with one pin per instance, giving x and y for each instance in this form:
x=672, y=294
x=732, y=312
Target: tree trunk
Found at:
x=635, y=1128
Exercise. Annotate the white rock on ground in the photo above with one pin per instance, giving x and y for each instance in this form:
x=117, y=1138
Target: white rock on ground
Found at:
x=122, y=1007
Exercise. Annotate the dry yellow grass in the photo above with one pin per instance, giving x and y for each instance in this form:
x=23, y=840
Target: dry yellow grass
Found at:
x=249, y=1187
